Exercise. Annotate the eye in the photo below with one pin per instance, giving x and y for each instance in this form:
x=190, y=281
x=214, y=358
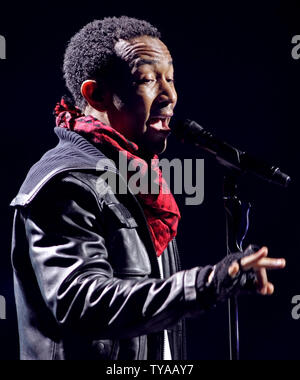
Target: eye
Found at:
x=143, y=81
x=146, y=80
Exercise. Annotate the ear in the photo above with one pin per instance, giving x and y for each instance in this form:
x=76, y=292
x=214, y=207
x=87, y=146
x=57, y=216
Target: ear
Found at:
x=91, y=92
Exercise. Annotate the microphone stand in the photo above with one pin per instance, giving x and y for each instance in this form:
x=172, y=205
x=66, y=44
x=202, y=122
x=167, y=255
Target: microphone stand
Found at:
x=237, y=225
x=237, y=211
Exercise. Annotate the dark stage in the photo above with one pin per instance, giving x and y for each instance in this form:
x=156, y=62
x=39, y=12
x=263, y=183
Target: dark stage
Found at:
x=236, y=75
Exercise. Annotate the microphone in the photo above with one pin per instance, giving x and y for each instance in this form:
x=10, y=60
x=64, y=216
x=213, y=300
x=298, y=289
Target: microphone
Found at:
x=191, y=132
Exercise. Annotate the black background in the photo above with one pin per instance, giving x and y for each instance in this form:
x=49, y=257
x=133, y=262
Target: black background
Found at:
x=236, y=76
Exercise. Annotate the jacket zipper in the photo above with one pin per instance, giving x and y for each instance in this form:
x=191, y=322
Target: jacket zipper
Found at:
x=148, y=230
x=163, y=340
x=164, y=332
x=176, y=255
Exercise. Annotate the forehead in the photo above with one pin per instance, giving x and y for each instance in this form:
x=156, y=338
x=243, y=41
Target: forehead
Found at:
x=139, y=49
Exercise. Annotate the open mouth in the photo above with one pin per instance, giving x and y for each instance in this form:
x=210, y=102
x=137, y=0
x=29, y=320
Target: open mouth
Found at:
x=160, y=123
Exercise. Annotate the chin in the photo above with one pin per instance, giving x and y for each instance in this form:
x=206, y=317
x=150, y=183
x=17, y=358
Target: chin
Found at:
x=152, y=147
x=158, y=148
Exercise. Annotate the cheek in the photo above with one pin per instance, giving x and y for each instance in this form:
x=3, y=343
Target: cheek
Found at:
x=118, y=103
x=141, y=103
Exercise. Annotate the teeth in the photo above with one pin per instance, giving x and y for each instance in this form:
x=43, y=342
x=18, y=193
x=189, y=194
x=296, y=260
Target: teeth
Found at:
x=157, y=123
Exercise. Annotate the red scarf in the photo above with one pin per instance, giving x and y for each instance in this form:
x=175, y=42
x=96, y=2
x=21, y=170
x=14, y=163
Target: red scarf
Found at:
x=161, y=210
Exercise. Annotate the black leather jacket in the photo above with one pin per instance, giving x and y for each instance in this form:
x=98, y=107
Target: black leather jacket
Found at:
x=87, y=281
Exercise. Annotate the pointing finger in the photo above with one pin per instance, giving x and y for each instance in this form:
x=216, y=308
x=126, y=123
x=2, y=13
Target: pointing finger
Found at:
x=269, y=263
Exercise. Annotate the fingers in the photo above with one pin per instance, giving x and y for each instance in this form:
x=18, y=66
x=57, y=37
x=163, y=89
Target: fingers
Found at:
x=260, y=263
x=270, y=289
x=248, y=261
x=262, y=281
x=260, y=260
x=264, y=287
x=269, y=263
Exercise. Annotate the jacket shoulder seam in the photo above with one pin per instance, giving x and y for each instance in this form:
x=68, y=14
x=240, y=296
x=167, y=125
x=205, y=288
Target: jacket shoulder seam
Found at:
x=85, y=183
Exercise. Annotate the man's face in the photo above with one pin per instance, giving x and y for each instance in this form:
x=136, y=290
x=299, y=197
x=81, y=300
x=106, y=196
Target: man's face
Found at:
x=143, y=96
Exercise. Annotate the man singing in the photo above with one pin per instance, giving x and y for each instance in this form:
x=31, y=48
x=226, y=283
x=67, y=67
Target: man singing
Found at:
x=97, y=273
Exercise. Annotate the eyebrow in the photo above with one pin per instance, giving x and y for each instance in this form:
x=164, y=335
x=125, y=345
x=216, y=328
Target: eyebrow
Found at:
x=143, y=61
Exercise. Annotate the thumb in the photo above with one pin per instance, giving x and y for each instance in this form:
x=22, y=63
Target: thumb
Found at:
x=233, y=269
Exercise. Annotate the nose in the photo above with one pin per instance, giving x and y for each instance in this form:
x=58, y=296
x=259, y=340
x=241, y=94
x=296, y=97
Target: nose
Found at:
x=167, y=92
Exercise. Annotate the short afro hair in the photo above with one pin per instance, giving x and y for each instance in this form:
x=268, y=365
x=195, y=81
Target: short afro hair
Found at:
x=90, y=52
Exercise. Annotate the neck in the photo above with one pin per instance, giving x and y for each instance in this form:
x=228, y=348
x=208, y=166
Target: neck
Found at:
x=145, y=154
x=101, y=116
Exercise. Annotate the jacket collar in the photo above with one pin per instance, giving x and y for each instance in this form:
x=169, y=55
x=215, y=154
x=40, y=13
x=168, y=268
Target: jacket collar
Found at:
x=73, y=152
